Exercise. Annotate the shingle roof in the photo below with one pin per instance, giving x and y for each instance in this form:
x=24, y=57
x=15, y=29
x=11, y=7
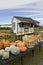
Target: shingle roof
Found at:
x=26, y=19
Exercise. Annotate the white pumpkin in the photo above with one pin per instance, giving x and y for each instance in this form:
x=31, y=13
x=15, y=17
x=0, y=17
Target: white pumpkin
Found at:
x=11, y=47
x=7, y=49
x=1, y=52
x=15, y=50
x=5, y=55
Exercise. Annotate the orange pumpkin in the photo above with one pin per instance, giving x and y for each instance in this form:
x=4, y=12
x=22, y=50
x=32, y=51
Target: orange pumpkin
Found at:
x=24, y=43
x=1, y=45
x=13, y=43
x=23, y=49
x=6, y=43
x=19, y=44
x=17, y=41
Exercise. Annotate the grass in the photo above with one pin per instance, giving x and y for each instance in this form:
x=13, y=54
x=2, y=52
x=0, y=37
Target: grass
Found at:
x=38, y=29
x=27, y=59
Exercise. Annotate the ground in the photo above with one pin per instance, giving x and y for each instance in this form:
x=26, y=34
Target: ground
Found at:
x=27, y=59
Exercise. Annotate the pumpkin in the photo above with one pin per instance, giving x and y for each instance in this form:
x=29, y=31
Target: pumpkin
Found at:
x=1, y=45
x=14, y=50
x=19, y=44
x=23, y=49
x=7, y=49
x=5, y=55
x=24, y=43
x=13, y=43
x=18, y=41
x=11, y=47
x=1, y=52
x=4, y=34
x=6, y=43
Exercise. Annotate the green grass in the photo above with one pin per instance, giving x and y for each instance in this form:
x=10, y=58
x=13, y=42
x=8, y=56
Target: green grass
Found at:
x=38, y=29
x=5, y=31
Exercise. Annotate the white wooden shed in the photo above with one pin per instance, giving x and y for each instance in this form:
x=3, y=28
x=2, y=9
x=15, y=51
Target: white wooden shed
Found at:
x=23, y=25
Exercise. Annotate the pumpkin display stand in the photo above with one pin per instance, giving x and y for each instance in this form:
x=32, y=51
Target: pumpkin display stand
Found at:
x=30, y=43
x=14, y=57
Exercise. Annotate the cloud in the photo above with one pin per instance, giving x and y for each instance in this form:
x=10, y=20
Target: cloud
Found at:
x=6, y=4
x=35, y=5
x=26, y=8
x=40, y=20
x=39, y=14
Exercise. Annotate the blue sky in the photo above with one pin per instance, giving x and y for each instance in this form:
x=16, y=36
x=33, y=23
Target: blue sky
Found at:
x=25, y=8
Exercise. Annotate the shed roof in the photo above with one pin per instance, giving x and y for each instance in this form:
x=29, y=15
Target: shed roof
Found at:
x=25, y=19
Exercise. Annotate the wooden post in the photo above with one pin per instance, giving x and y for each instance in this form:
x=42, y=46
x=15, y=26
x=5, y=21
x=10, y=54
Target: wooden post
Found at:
x=32, y=52
x=40, y=48
x=21, y=60
x=21, y=30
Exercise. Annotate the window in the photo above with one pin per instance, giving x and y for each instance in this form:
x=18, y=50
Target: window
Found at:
x=21, y=24
x=31, y=25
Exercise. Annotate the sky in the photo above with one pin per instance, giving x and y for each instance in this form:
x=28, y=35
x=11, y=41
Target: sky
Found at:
x=25, y=8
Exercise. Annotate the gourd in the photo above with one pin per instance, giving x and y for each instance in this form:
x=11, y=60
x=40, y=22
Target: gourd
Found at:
x=7, y=49
x=5, y=55
x=1, y=52
x=23, y=49
x=15, y=50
